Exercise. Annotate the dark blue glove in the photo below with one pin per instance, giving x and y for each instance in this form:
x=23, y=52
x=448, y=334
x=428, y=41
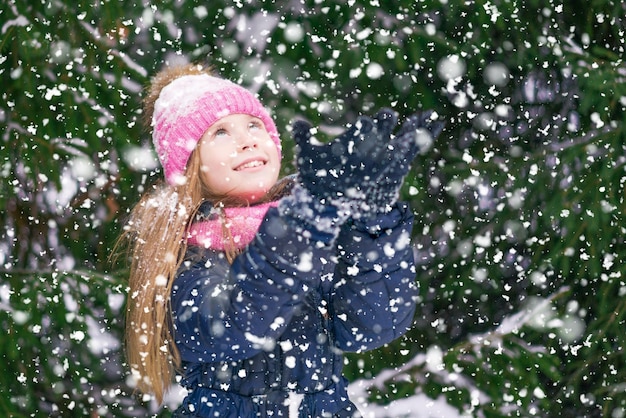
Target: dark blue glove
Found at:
x=340, y=172
x=416, y=135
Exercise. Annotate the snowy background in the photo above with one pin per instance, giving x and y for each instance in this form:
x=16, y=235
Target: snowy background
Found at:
x=519, y=204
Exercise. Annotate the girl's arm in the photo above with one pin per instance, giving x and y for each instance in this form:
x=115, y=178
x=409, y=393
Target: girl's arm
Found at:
x=232, y=312
x=375, y=289
x=375, y=293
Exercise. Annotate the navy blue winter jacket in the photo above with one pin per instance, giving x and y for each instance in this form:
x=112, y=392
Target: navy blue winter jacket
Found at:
x=273, y=325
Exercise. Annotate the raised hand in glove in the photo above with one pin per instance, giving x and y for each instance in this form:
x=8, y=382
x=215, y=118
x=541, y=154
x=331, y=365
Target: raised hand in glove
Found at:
x=340, y=172
x=415, y=135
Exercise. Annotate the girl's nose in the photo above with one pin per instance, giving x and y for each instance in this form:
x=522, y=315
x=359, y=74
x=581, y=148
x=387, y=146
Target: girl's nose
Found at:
x=247, y=141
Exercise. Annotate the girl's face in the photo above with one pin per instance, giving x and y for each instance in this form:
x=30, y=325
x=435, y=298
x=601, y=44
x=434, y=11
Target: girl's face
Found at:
x=239, y=158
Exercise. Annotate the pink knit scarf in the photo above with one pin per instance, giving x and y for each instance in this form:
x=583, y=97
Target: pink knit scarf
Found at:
x=243, y=223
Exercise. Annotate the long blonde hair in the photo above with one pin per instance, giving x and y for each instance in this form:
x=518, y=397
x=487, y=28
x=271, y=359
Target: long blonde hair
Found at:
x=155, y=236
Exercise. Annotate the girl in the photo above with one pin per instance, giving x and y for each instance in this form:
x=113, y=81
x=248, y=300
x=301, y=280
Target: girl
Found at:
x=249, y=287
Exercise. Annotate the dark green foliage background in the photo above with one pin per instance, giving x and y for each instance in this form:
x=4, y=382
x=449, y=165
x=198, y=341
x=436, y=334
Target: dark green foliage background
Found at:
x=521, y=198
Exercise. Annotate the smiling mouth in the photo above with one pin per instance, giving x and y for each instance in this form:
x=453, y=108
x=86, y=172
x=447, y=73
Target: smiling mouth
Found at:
x=250, y=164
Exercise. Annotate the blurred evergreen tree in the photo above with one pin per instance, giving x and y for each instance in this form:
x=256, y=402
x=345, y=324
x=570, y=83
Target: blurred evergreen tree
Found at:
x=520, y=203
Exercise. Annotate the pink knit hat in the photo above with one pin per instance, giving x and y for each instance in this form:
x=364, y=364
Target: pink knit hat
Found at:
x=187, y=107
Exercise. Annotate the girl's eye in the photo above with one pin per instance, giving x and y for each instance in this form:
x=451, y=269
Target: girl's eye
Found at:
x=221, y=132
x=254, y=125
